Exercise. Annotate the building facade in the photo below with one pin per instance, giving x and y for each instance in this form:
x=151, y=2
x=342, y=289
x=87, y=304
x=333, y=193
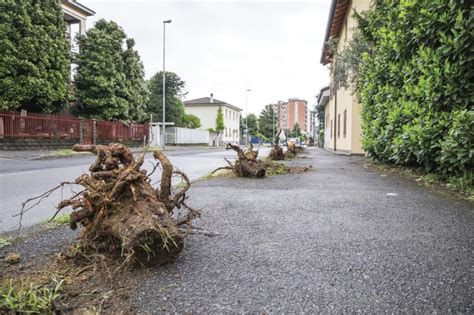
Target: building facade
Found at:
x=343, y=127
x=206, y=108
x=75, y=15
x=292, y=112
x=281, y=112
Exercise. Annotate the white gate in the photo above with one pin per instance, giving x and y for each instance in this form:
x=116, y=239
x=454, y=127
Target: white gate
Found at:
x=155, y=135
x=177, y=136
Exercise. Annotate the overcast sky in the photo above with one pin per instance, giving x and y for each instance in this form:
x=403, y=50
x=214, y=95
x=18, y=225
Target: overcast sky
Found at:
x=225, y=47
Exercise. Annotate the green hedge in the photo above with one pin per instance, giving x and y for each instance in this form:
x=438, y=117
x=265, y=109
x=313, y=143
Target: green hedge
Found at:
x=416, y=84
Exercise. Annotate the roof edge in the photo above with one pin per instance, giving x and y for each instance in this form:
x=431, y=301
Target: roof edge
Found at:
x=80, y=7
x=217, y=104
x=332, y=10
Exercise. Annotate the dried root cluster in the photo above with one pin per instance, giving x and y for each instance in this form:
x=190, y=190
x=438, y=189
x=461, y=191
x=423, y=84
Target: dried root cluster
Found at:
x=122, y=212
x=277, y=154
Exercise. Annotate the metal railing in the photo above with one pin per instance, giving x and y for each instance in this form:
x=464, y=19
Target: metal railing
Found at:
x=31, y=125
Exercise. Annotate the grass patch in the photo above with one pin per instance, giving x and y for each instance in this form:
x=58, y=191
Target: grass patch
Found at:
x=64, y=152
x=29, y=298
x=4, y=241
x=59, y=219
x=207, y=176
x=278, y=169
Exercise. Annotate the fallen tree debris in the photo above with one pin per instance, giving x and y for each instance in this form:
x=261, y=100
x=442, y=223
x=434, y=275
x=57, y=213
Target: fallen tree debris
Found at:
x=246, y=164
x=276, y=154
x=122, y=212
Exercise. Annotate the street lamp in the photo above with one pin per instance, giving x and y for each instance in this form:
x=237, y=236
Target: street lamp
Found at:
x=163, y=137
x=273, y=123
x=246, y=117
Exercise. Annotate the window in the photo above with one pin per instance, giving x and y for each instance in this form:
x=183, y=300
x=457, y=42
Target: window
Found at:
x=226, y=113
x=331, y=128
x=338, y=125
x=226, y=132
x=344, y=127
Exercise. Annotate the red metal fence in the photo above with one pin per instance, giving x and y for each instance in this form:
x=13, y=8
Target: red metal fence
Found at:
x=22, y=124
x=30, y=125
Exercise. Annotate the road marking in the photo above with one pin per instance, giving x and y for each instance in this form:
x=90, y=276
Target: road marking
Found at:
x=392, y=194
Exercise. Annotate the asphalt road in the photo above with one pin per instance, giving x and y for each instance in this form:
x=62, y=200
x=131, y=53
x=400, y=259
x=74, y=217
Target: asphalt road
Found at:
x=22, y=179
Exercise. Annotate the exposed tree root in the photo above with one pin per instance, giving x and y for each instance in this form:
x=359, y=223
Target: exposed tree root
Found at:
x=246, y=164
x=276, y=154
x=121, y=211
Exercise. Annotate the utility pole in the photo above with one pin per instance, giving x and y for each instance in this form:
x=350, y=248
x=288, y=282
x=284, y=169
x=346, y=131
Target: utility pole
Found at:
x=163, y=136
x=246, y=118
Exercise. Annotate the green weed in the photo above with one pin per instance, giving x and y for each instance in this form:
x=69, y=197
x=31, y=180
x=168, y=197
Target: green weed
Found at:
x=64, y=152
x=30, y=299
x=5, y=241
x=59, y=219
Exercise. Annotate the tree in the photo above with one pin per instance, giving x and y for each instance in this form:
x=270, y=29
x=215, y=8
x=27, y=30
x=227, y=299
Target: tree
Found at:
x=252, y=124
x=101, y=81
x=136, y=90
x=220, y=120
x=35, y=57
x=296, y=131
x=191, y=121
x=267, y=122
x=175, y=87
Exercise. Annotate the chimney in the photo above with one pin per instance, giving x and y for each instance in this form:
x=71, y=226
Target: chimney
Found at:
x=212, y=98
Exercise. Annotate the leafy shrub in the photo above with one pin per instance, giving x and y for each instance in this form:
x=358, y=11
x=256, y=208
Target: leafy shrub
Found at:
x=412, y=61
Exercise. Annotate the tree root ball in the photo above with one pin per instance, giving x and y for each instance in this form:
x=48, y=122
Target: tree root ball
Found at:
x=122, y=212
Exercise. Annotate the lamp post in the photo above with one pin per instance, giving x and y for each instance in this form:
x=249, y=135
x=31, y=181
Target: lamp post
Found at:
x=273, y=124
x=246, y=117
x=163, y=136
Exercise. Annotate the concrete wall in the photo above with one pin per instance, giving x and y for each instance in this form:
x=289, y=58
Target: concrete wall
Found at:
x=349, y=143
x=186, y=136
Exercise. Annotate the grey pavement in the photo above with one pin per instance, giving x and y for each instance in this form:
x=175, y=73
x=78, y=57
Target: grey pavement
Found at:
x=23, y=179
x=338, y=239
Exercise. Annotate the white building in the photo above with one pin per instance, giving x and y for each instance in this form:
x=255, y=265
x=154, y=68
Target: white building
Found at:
x=206, y=109
x=75, y=15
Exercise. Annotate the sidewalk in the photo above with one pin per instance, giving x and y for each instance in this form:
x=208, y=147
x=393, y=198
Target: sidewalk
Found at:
x=338, y=239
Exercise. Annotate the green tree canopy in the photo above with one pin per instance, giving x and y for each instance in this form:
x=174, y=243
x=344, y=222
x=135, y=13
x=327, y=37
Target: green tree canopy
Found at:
x=109, y=79
x=252, y=124
x=267, y=122
x=220, y=120
x=191, y=121
x=34, y=56
x=136, y=89
x=175, y=87
x=295, y=132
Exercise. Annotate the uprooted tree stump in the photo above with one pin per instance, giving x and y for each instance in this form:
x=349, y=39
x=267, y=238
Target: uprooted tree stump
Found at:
x=291, y=152
x=276, y=153
x=246, y=164
x=122, y=212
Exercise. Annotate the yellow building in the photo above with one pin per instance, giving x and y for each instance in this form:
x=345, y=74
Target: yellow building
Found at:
x=342, y=114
